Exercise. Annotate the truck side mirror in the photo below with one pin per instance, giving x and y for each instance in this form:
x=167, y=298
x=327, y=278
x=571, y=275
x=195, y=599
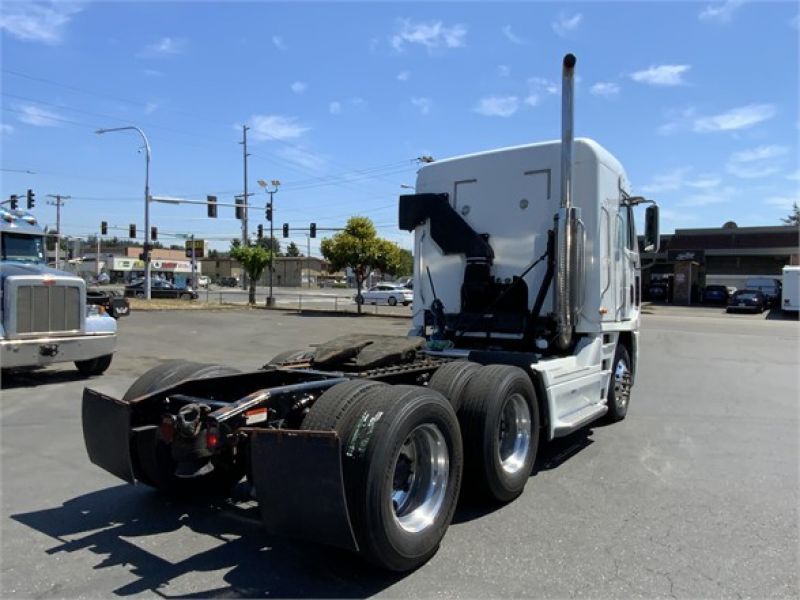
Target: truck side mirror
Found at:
x=652, y=239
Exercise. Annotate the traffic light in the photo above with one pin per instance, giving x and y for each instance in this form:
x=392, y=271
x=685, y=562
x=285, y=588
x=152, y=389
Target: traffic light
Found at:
x=313, y=230
x=103, y=228
x=31, y=199
x=212, y=206
x=13, y=201
x=239, y=208
x=285, y=230
x=260, y=231
x=132, y=230
x=269, y=211
x=154, y=233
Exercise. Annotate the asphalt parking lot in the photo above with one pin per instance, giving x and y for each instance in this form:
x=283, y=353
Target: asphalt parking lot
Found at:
x=694, y=495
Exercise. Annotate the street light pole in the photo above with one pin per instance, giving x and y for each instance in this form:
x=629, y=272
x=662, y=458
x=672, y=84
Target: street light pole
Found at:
x=146, y=201
x=271, y=207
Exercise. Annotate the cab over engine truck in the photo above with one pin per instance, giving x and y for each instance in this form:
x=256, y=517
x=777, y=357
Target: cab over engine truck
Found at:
x=525, y=326
x=44, y=315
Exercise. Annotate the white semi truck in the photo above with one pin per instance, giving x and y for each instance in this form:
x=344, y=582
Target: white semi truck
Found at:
x=525, y=328
x=44, y=315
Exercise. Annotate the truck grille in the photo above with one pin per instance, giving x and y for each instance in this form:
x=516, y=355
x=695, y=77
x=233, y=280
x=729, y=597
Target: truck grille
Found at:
x=48, y=308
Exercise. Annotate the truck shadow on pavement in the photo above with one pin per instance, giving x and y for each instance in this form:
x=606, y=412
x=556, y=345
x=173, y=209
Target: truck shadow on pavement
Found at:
x=135, y=528
x=17, y=378
x=127, y=525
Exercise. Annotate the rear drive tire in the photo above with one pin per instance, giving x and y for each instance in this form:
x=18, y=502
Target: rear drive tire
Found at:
x=333, y=409
x=186, y=297
x=451, y=379
x=619, y=387
x=152, y=459
x=402, y=460
x=94, y=366
x=392, y=301
x=500, y=423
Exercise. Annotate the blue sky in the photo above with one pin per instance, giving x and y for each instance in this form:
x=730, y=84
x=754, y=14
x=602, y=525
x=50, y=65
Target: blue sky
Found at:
x=698, y=100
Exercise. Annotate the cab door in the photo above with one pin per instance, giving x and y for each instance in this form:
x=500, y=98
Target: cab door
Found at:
x=627, y=265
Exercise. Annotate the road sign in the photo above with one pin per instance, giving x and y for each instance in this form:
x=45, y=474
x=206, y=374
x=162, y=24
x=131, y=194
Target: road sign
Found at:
x=199, y=248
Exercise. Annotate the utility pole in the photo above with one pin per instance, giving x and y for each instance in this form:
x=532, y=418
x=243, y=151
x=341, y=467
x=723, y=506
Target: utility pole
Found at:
x=194, y=266
x=97, y=256
x=246, y=196
x=58, y=204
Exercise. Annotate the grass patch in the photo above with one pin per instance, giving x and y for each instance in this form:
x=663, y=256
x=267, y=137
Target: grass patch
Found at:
x=138, y=304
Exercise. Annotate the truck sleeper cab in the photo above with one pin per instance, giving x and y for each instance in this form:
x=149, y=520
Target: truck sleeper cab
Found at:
x=525, y=326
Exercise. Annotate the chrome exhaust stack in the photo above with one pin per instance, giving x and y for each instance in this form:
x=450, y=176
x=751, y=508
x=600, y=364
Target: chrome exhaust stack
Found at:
x=568, y=224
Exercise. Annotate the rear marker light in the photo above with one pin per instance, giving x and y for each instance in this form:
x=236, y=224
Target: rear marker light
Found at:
x=212, y=439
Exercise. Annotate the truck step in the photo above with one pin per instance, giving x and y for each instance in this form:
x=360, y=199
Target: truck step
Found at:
x=578, y=419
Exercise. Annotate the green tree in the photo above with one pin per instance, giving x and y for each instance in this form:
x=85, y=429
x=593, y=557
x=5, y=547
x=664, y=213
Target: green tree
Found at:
x=292, y=250
x=405, y=267
x=794, y=216
x=359, y=247
x=253, y=260
x=270, y=244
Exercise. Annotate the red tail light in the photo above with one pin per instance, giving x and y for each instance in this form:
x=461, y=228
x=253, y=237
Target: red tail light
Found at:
x=212, y=439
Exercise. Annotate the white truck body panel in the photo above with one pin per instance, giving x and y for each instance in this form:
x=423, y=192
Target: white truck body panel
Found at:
x=490, y=189
x=790, y=299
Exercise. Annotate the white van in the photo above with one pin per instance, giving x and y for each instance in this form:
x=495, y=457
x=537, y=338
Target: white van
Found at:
x=791, y=289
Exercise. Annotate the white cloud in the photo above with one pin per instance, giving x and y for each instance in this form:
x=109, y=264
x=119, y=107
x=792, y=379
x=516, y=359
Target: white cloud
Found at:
x=503, y=70
x=681, y=178
x=151, y=107
x=663, y=75
x=431, y=34
x=677, y=119
x=513, y=37
x=755, y=163
x=166, y=46
x=794, y=176
x=403, y=76
x=5, y=128
x=736, y=118
x=275, y=127
x=720, y=12
x=303, y=157
x=760, y=153
x=497, y=106
x=605, y=88
x=153, y=73
x=784, y=202
x=40, y=117
x=719, y=197
x=423, y=104
x=38, y=21
x=298, y=87
x=667, y=182
x=565, y=24
x=358, y=101
x=278, y=42
x=537, y=87
x=335, y=107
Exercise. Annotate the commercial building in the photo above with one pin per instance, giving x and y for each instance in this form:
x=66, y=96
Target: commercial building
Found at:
x=290, y=271
x=690, y=259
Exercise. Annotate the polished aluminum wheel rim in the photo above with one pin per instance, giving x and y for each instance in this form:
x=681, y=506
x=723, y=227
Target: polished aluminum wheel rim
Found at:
x=622, y=384
x=514, y=434
x=421, y=472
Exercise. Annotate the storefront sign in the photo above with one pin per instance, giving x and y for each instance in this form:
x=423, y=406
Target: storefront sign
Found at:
x=682, y=255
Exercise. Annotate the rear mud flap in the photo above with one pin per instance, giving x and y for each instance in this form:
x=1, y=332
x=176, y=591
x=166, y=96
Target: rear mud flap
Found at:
x=106, y=433
x=299, y=486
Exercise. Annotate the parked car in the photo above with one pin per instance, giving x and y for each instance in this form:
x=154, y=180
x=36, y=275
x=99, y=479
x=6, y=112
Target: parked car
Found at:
x=657, y=292
x=385, y=293
x=111, y=300
x=715, y=294
x=160, y=289
x=228, y=281
x=747, y=301
x=770, y=287
x=203, y=281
